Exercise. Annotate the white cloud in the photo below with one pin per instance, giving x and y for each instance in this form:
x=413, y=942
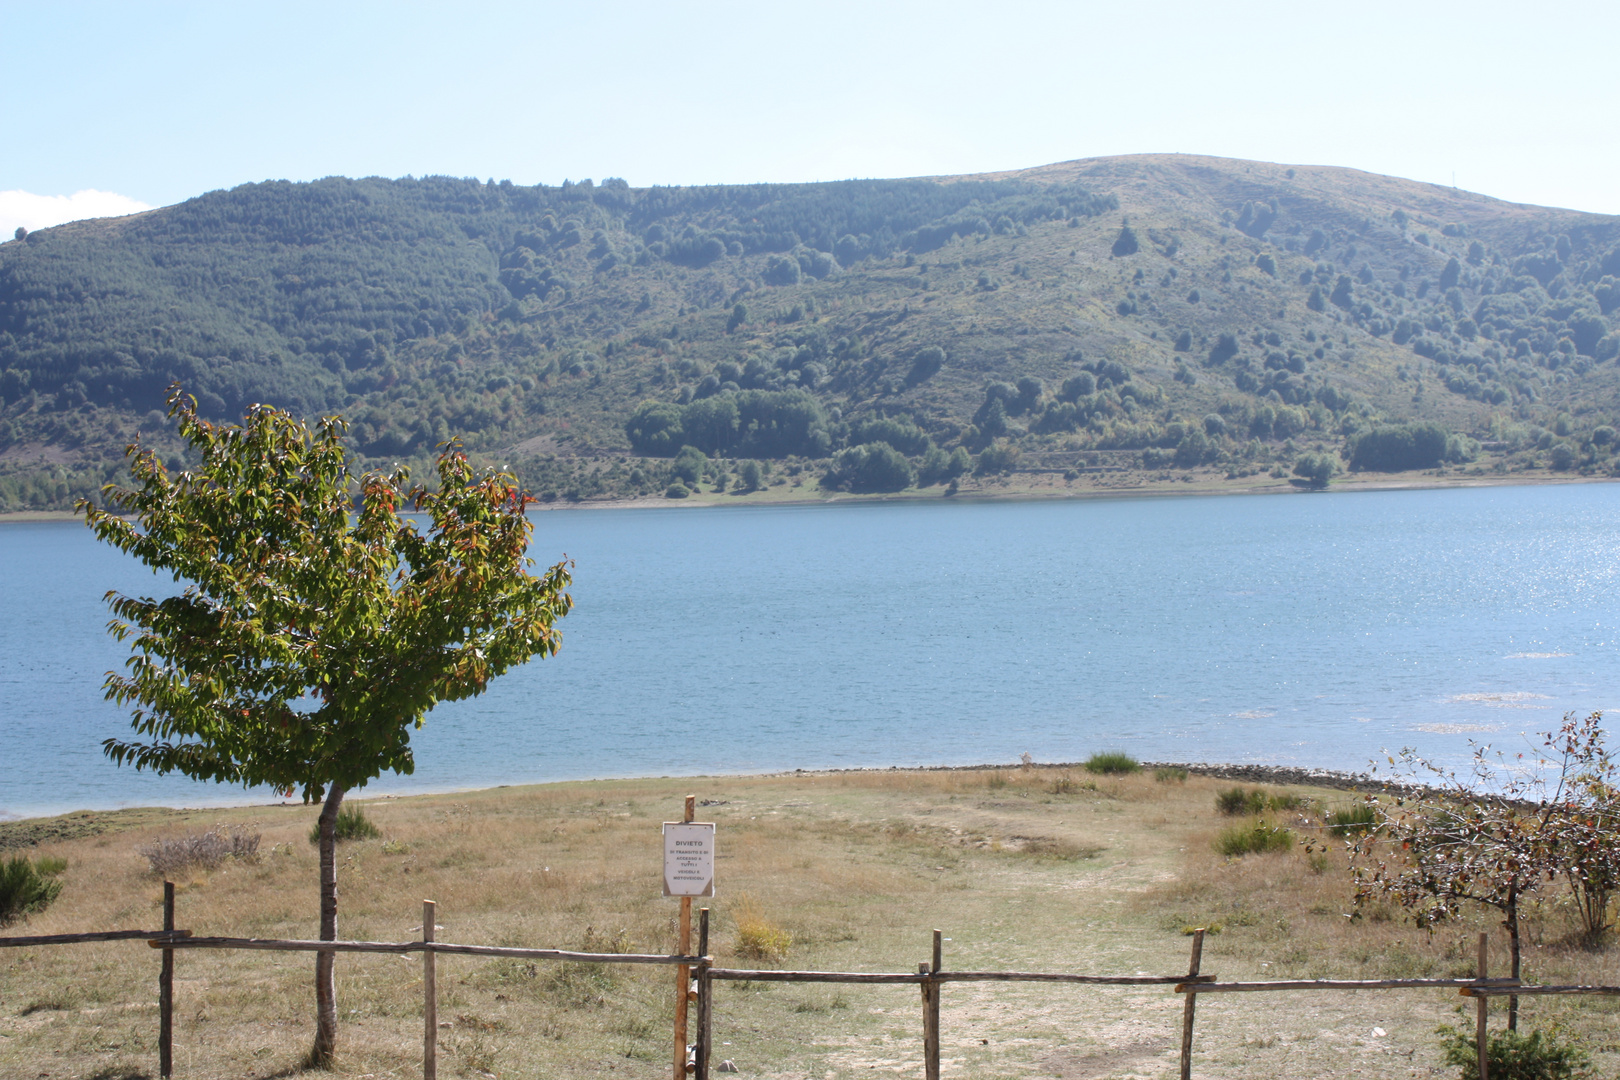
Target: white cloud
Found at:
x=32, y=211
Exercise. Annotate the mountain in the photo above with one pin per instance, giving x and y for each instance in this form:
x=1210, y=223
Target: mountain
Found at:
x=1106, y=320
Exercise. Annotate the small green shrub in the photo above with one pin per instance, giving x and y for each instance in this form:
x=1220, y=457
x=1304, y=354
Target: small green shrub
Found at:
x=1234, y=802
x=1540, y=1055
x=1352, y=820
x=1285, y=800
x=1112, y=763
x=1253, y=838
x=1174, y=775
x=25, y=888
x=351, y=824
x=50, y=865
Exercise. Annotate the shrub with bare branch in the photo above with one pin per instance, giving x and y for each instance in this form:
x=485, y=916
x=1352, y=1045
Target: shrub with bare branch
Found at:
x=1497, y=834
x=205, y=850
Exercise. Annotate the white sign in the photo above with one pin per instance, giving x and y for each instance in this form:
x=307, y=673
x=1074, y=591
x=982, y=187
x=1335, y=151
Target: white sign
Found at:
x=688, y=858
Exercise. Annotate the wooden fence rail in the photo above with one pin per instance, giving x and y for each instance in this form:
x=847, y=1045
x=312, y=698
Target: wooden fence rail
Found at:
x=930, y=977
x=100, y=935
x=397, y=947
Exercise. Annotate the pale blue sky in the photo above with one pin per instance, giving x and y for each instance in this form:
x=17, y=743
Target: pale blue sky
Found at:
x=156, y=102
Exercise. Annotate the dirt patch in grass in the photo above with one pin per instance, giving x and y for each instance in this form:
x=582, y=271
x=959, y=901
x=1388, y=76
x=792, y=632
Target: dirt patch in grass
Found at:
x=846, y=871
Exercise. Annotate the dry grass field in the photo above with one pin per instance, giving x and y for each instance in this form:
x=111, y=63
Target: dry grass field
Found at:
x=1035, y=869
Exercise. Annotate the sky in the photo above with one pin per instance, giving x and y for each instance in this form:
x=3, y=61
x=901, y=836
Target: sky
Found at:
x=114, y=107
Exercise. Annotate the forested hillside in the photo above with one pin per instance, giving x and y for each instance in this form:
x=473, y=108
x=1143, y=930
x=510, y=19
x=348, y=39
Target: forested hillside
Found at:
x=1106, y=321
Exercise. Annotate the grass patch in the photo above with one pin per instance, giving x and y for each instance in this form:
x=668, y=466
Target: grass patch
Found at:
x=1052, y=847
x=1112, y=763
x=1068, y=785
x=1239, y=802
x=1253, y=838
x=26, y=887
x=351, y=824
x=758, y=936
x=1170, y=775
x=1352, y=820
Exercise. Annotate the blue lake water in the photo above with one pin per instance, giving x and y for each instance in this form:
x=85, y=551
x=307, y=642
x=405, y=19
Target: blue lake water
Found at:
x=1311, y=630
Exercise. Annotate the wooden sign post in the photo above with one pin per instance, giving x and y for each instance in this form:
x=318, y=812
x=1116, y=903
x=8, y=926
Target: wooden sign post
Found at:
x=688, y=872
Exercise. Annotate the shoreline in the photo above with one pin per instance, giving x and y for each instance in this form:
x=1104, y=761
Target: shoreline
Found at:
x=1250, y=773
x=1160, y=490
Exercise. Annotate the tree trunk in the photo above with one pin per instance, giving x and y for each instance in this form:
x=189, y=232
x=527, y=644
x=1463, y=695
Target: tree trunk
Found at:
x=320, y=1055
x=1513, y=946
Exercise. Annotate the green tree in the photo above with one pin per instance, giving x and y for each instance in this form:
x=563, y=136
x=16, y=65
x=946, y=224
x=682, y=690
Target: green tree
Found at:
x=870, y=467
x=1126, y=243
x=749, y=475
x=1318, y=470
x=690, y=465
x=317, y=625
x=1451, y=274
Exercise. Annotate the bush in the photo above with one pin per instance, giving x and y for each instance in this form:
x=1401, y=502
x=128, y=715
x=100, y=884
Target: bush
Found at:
x=996, y=458
x=351, y=824
x=758, y=937
x=1112, y=763
x=1170, y=775
x=171, y=854
x=1253, y=838
x=870, y=467
x=677, y=490
x=1352, y=820
x=1235, y=801
x=1399, y=448
x=27, y=887
x=1540, y=1055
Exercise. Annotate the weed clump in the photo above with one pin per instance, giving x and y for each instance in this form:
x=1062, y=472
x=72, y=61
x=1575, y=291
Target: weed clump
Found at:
x=758, y=936
x=27, y=887
x=1352, y=820
x=1253, y=838
x=1068, y=785
x=1052, y=847
x=1540, y=1055
x=1236, y=802
x=1112, y=763
x=351, y=824
x=1170, y=775
x=205, y=850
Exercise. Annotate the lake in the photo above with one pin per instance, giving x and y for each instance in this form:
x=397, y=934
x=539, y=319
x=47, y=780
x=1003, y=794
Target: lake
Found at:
x=1308, y=630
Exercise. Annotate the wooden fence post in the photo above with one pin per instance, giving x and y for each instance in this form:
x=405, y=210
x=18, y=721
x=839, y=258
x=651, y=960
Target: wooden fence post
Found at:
x=166, y=991
x=1481, y=1040
x=683, y=973
x=1190, y=1006
x=930, y=992
x=705, y=1004
x=430, y=997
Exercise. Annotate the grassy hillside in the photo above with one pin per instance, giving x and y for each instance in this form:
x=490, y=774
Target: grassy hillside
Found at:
x=1104, y=321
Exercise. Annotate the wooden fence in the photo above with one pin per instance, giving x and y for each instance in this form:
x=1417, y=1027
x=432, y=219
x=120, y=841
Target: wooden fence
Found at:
x=699, y=975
